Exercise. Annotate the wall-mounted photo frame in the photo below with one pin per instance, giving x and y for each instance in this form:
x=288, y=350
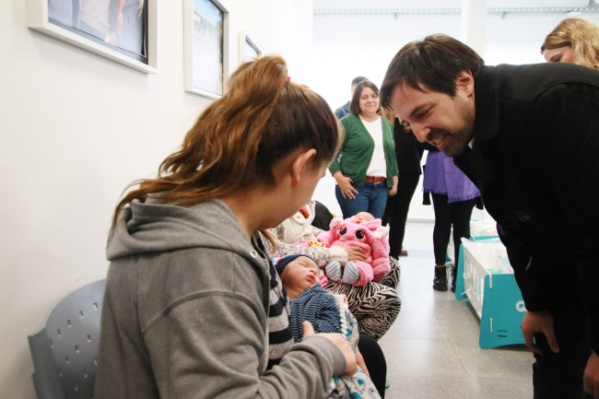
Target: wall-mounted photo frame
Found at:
x=247, y=48
x=123, y=31
x=206, y=24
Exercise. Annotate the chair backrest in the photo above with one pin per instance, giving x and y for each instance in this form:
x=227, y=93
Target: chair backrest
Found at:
x=65, y=348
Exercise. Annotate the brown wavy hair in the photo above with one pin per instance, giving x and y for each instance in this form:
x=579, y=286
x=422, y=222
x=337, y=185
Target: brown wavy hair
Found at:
x=579, y=34
x=236, y=142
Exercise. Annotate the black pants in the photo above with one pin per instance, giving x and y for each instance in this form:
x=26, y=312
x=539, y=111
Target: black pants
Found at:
x=375, y=361
x=555, y=375
x=456, y=214
x=396, y=212
x=559, y=375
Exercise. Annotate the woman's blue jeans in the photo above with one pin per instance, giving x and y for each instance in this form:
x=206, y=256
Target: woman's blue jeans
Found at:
x=371, y=197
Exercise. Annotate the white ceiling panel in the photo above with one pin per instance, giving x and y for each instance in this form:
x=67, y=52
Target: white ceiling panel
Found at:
x=439, y=4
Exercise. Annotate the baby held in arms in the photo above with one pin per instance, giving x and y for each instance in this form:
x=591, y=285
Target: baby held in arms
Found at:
x=327, y=312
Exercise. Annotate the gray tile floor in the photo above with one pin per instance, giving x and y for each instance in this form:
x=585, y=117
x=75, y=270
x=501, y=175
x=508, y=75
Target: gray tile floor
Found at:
x=432, y=348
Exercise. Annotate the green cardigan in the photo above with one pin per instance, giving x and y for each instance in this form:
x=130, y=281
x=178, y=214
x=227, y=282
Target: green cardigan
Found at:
x=357, y=149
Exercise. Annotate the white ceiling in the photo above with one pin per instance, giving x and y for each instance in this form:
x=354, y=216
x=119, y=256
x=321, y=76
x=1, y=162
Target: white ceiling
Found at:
x=394, y=6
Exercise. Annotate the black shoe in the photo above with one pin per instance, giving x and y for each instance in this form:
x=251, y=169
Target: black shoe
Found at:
x=440, y=280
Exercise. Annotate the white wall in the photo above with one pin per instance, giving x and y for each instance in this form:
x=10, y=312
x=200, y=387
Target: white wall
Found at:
x=75, y=129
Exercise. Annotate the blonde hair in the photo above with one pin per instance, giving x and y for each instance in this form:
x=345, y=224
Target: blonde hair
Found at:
x=238, y=140
x=579, y=34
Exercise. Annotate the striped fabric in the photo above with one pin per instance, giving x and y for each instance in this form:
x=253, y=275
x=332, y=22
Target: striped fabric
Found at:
x=318, y=307
x=279, y=334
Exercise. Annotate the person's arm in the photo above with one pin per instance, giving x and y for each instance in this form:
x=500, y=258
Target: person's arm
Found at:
x=213, y=346
x=563, y=148
x=345, y=185
x=539, y=323
x=591, y=375
x=344, y=182
x=334, y=166
x=390, y=155
x=321, y=255
x=340, y=112
x=393, y=190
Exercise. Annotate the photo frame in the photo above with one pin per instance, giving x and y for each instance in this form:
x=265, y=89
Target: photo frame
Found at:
x=124, y=31
x=248, y=50
x=206, y=24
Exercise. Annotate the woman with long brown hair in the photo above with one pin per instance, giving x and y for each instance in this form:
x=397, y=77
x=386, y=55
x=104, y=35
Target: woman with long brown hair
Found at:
x=186, y=311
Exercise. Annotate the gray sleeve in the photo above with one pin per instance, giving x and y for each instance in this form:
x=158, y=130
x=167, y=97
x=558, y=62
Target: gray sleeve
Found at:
x=306, y=371
x=215, y=346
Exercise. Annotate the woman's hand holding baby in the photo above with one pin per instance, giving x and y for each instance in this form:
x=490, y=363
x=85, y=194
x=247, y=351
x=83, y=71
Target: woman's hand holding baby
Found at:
x=351, y=363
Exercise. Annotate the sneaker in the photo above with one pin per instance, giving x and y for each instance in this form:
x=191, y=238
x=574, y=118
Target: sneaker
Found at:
x=387, y=384
x=403, y=252
x=440, y=280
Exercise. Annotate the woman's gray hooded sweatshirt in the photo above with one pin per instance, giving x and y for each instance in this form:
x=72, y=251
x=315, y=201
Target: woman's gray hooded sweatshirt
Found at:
x=185, y=313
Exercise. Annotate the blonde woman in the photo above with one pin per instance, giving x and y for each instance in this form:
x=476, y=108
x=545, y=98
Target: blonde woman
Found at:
x=573, y=41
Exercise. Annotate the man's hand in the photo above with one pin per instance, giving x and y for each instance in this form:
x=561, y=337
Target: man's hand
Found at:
x=351, y=363
x=591, y=376
x=539, y=322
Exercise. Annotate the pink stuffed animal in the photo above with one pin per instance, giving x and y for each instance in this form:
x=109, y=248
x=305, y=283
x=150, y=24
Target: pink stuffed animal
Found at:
x=371, y=237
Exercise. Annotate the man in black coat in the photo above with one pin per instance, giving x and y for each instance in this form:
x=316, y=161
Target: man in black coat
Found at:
x=528, y=136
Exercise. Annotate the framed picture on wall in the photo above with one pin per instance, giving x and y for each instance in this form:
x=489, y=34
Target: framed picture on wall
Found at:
x=247, y=48
x=123, y=31
x=206, y=50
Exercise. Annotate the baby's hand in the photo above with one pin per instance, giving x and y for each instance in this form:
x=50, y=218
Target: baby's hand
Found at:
x=351, y=363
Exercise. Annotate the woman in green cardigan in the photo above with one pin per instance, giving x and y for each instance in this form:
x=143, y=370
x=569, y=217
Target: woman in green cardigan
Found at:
x=366, y=167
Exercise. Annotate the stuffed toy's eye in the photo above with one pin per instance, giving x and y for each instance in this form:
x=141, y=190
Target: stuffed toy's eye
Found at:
x=360, y=234
x=343, y=230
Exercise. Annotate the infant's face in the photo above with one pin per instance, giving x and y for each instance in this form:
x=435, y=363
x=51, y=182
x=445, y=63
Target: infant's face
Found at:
x=362, y=217
x=300, y=274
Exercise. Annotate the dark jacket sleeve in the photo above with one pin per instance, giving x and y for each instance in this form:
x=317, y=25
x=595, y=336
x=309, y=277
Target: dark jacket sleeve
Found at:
x=563, y=147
